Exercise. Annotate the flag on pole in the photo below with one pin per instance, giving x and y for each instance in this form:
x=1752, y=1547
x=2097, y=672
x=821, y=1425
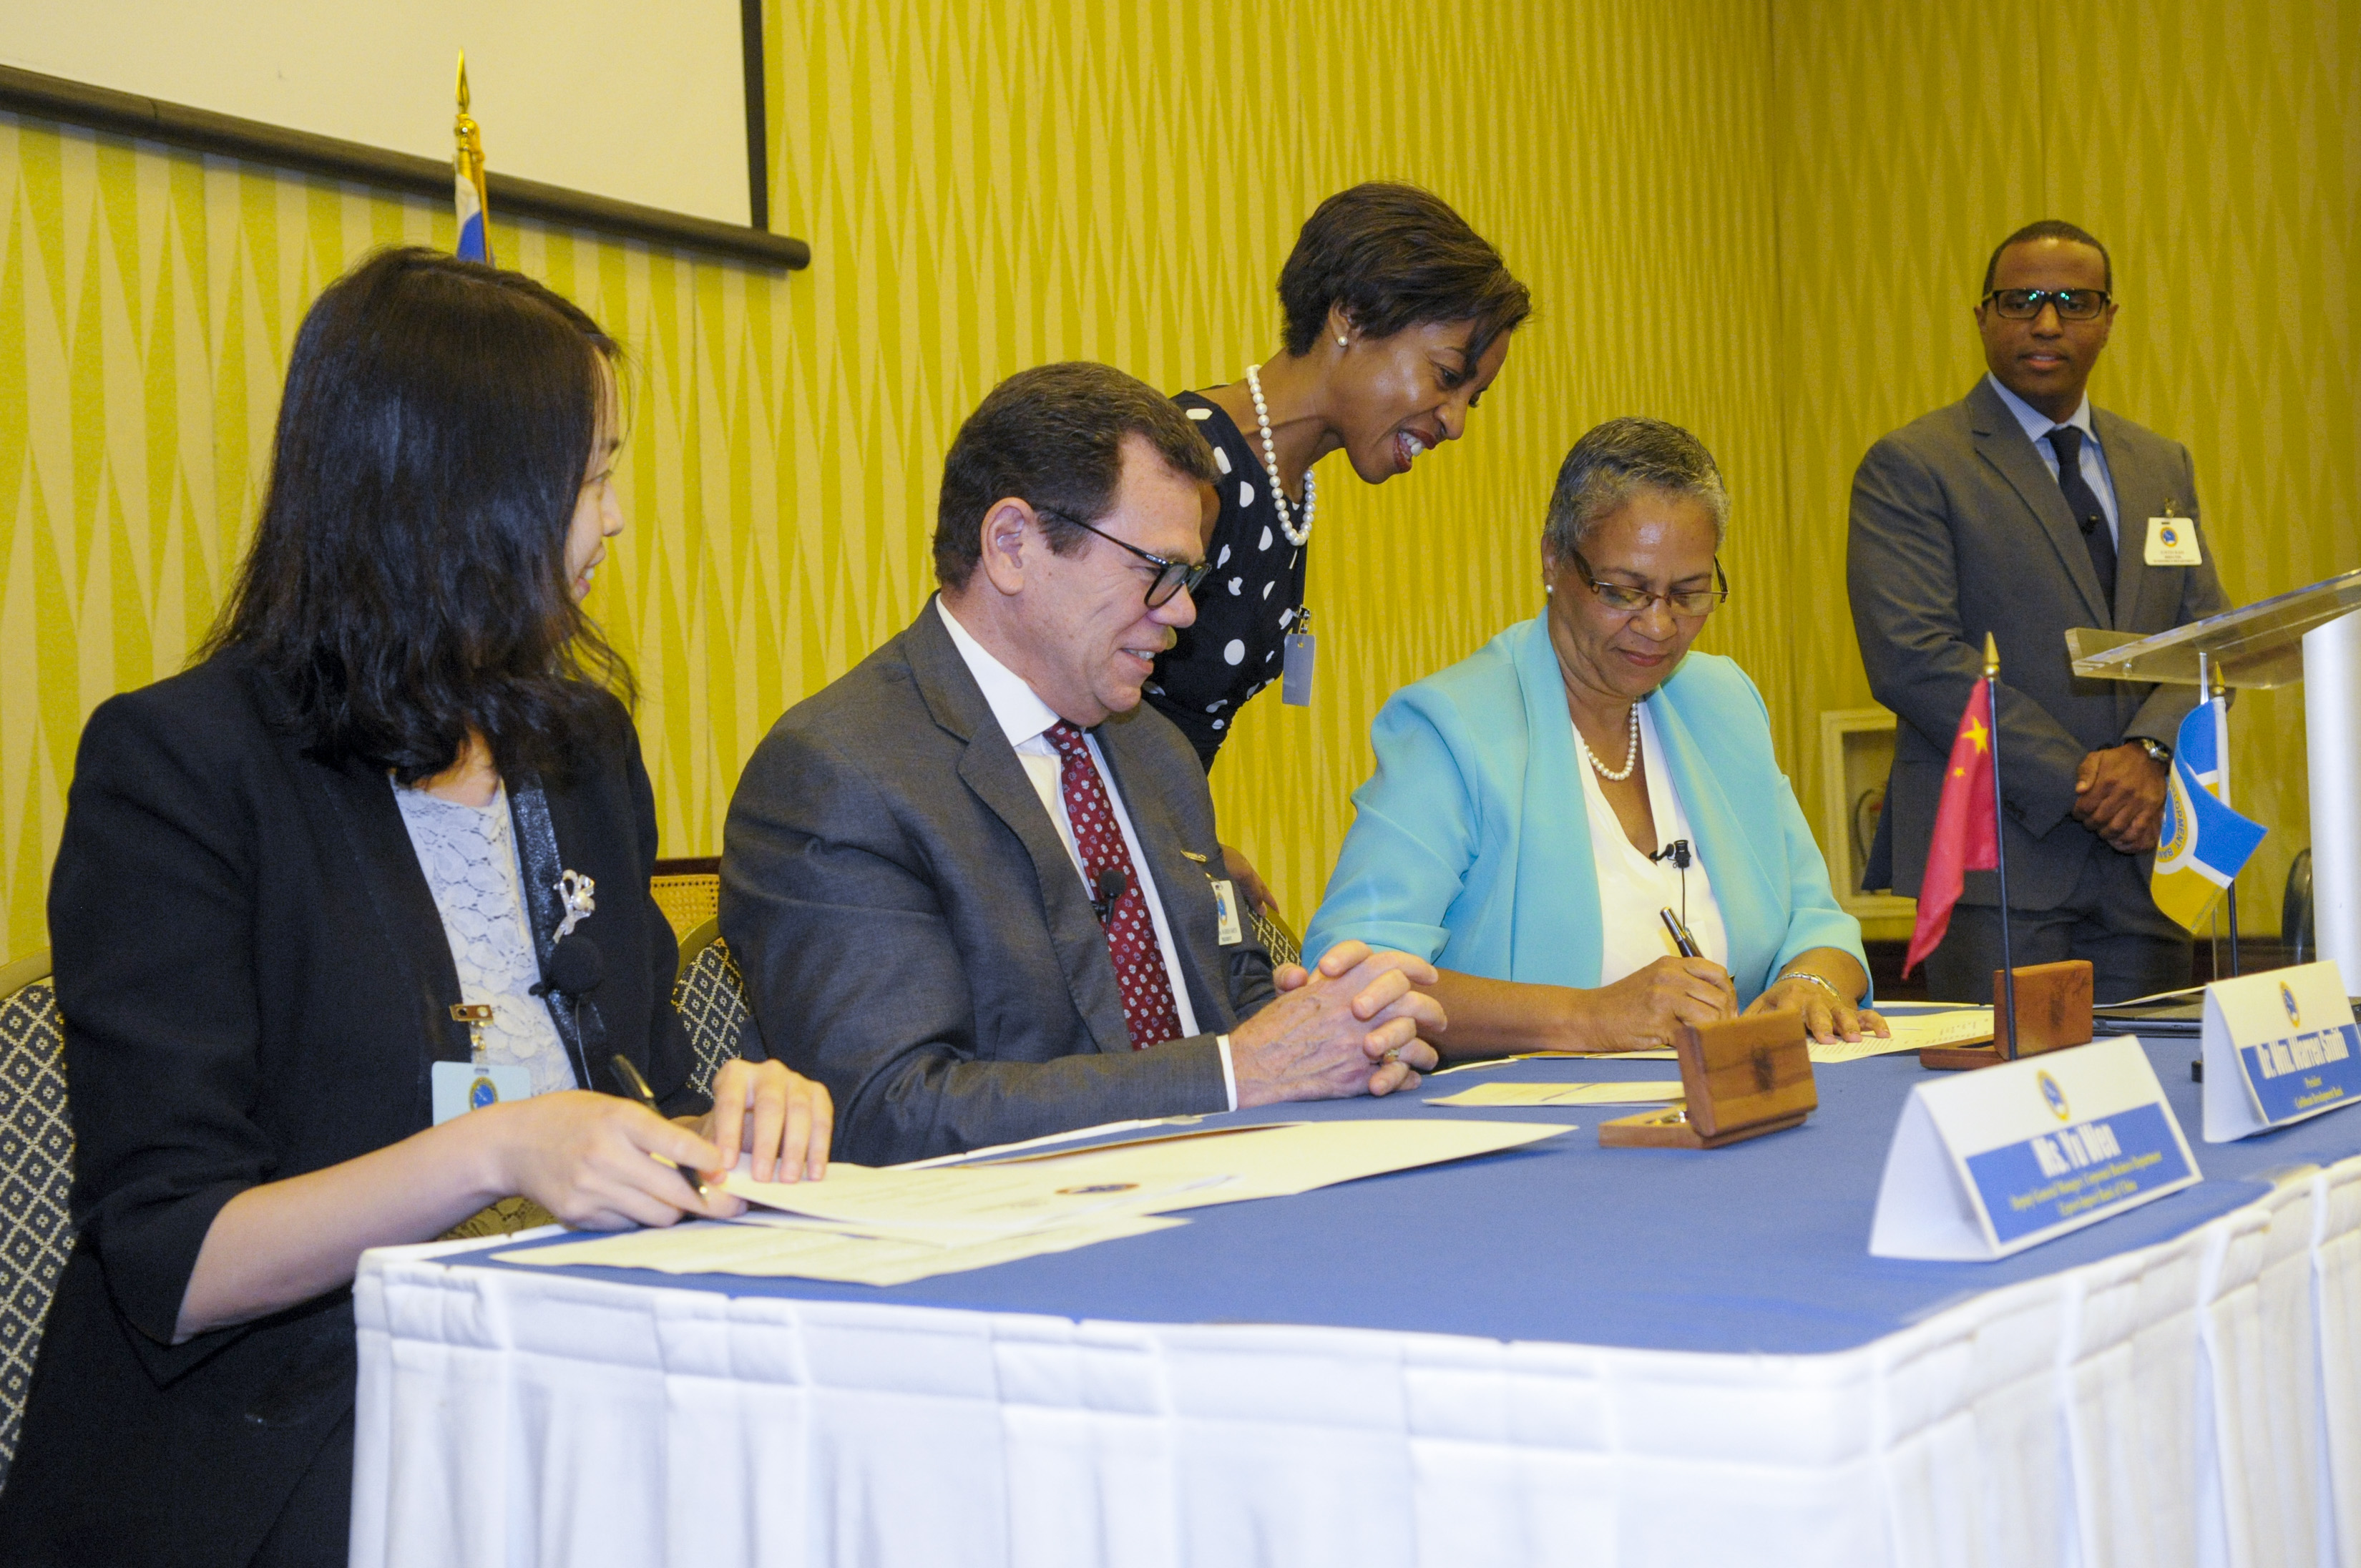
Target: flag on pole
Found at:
x=1967, y=830
x=2203, y=843
x=467, y=181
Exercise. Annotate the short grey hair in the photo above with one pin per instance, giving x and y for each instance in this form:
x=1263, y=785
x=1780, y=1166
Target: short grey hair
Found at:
x=1615, y=460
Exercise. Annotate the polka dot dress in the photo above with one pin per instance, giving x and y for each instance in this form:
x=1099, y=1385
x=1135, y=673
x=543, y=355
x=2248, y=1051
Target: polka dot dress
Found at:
x=1248, y=604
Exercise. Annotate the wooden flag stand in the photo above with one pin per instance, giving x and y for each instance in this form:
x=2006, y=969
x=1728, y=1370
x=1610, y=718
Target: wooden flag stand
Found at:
x=1741, y=1077
x=2053, y=1011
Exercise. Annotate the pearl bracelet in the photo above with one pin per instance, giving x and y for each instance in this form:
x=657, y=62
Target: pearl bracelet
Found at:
x=1816, y=980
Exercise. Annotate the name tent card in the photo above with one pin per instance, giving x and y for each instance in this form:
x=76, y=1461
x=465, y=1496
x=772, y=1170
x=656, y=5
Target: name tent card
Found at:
x=1989, y=1163
x=2281, y=1046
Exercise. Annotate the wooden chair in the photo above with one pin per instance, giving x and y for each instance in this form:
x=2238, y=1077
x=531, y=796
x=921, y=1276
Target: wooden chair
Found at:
x=687, y=892
x=36, y=1179
x=711, y=997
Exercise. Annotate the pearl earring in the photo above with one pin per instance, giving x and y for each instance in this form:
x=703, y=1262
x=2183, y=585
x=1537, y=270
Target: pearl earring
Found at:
x=1341, y=341
x=1549, y=590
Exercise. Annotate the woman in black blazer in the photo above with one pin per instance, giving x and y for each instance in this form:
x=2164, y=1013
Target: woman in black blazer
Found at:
x=257, y=981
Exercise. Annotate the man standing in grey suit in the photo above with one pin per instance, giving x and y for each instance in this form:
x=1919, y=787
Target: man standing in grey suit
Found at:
x=972, y=883
x=2022, y=512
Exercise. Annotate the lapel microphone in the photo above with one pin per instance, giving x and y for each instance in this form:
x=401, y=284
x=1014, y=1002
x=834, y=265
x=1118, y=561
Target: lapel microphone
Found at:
x=574, y=968
x=1112, y=881
x=1677, y=851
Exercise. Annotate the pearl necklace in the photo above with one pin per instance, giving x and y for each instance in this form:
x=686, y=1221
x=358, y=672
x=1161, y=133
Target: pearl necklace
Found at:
x=1270, y=467
x=1631, y=754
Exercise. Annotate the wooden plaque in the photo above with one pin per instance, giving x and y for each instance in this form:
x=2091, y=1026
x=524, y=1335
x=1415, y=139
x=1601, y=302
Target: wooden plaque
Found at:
x=1741, y=1079
x=2053, y=1011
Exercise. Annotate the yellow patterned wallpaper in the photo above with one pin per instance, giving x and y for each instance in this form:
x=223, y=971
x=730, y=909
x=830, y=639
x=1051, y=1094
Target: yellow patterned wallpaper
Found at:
x=1761, y=218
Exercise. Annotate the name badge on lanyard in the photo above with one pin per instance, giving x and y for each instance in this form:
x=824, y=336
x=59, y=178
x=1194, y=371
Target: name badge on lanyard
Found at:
x=2172, y=541
x=1295, y=665
x=1229, y=930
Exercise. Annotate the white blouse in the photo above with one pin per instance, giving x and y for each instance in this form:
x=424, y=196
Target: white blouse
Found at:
x=468, y=854
x=1633, y=888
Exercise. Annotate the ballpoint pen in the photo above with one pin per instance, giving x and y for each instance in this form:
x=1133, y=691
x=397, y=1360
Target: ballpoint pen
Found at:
x=637, y=1087
x=1682, y=941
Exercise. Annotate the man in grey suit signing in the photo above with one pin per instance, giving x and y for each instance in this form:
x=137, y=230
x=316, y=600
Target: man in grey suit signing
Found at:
x=2022, y=512
x=972, y=883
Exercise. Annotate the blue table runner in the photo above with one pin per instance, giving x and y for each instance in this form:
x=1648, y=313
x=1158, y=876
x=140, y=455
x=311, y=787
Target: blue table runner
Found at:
x=1763, y=1246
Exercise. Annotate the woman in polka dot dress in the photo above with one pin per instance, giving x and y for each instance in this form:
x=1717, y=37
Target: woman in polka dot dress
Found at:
x=1397, y=318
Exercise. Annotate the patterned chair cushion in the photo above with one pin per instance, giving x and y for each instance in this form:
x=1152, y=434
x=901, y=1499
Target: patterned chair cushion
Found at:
x=36, y=1179
x=1276, y=937
x=711, y=997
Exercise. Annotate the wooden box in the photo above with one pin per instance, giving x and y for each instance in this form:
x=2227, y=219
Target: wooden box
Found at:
x=1742, y=1079
x=2053, y=1011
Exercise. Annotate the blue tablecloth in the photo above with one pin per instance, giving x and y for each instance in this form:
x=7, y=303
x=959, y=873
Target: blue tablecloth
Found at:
x=1763, y=1246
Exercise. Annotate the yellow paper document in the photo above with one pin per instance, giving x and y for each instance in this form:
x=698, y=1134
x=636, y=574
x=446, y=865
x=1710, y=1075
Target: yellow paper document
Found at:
x=889, y=1226
x=1151, y=1176
x=766, y=1246
x=1912, y=1032
x=1513, y=1094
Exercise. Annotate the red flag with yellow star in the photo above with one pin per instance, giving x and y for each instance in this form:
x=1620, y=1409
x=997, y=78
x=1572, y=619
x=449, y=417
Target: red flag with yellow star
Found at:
x=1967, y=830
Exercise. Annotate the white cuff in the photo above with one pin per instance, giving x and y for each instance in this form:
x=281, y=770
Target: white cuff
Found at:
x=1229, y=1073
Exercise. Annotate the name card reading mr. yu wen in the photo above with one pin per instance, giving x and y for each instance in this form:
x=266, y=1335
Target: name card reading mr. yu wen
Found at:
x=1994, y=1161
x=2279, y=1047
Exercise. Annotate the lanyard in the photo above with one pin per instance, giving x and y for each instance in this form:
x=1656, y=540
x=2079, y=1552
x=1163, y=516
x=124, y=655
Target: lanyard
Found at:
x=548, y=916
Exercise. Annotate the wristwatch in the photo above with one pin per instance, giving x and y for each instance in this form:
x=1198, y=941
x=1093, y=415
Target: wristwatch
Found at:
x=2157, y=751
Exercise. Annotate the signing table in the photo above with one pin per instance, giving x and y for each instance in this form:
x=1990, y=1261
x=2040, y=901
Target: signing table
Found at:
x=1559, y=1355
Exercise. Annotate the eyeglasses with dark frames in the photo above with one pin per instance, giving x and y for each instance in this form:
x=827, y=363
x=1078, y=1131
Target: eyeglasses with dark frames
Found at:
x=1171, y=575
x=1625, y=600
x=2072, y=304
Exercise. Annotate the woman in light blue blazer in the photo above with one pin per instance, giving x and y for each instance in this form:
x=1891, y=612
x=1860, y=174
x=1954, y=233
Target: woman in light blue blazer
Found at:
x=1536, y=806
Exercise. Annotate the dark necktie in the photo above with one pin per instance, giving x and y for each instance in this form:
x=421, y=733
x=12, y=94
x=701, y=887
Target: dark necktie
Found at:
x=1149, y=1011
x=2089, y=515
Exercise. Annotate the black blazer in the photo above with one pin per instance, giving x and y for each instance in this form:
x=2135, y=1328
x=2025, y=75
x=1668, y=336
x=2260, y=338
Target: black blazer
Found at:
x=254, y=984
x=915, y=935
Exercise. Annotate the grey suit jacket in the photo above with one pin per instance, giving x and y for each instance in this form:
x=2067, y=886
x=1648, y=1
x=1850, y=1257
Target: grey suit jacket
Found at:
x=1958, y=529
x=914, y=935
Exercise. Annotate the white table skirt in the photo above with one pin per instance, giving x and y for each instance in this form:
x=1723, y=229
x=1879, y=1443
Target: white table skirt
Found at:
x=2197, y=1402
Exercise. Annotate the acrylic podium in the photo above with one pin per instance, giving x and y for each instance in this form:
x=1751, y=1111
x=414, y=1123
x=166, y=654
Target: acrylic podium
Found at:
x=2313, y=635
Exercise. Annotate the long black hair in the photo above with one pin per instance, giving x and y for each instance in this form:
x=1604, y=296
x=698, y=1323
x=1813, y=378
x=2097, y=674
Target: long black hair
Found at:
x=407, y=581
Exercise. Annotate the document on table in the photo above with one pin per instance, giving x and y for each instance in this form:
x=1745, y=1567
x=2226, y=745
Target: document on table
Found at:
x=888, y=1227
x=1912, y=1032
x=1664, y=1053
x=1510, y=1094
x=761, y=1245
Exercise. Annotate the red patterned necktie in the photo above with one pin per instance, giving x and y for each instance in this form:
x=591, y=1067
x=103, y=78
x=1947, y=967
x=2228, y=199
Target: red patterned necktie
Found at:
x=1147, y=1007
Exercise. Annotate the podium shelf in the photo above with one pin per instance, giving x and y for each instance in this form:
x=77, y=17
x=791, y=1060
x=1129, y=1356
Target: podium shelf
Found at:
x=2259, y=646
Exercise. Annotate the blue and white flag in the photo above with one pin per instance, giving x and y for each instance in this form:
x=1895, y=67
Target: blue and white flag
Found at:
x=468, y=198
x=2203, y=843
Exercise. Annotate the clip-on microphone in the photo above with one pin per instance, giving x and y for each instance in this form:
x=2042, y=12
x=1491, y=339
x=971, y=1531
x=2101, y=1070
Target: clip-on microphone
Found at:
x=1677, y=851
x=1112, y=881
x=576, y=968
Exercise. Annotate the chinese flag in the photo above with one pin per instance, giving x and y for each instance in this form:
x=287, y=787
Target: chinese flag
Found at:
x=1967, y=833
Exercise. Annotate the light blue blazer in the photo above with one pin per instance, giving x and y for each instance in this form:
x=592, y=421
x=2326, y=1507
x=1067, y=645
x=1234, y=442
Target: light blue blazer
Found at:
x=1471, y=845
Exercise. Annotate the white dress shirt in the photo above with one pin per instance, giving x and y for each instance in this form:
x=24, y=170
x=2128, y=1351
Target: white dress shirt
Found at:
x=1635, y=890
x=2093, y=464
x=1024, y=718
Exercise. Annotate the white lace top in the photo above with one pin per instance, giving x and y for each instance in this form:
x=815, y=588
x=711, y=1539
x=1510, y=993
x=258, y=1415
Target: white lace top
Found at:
x=468, y=854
